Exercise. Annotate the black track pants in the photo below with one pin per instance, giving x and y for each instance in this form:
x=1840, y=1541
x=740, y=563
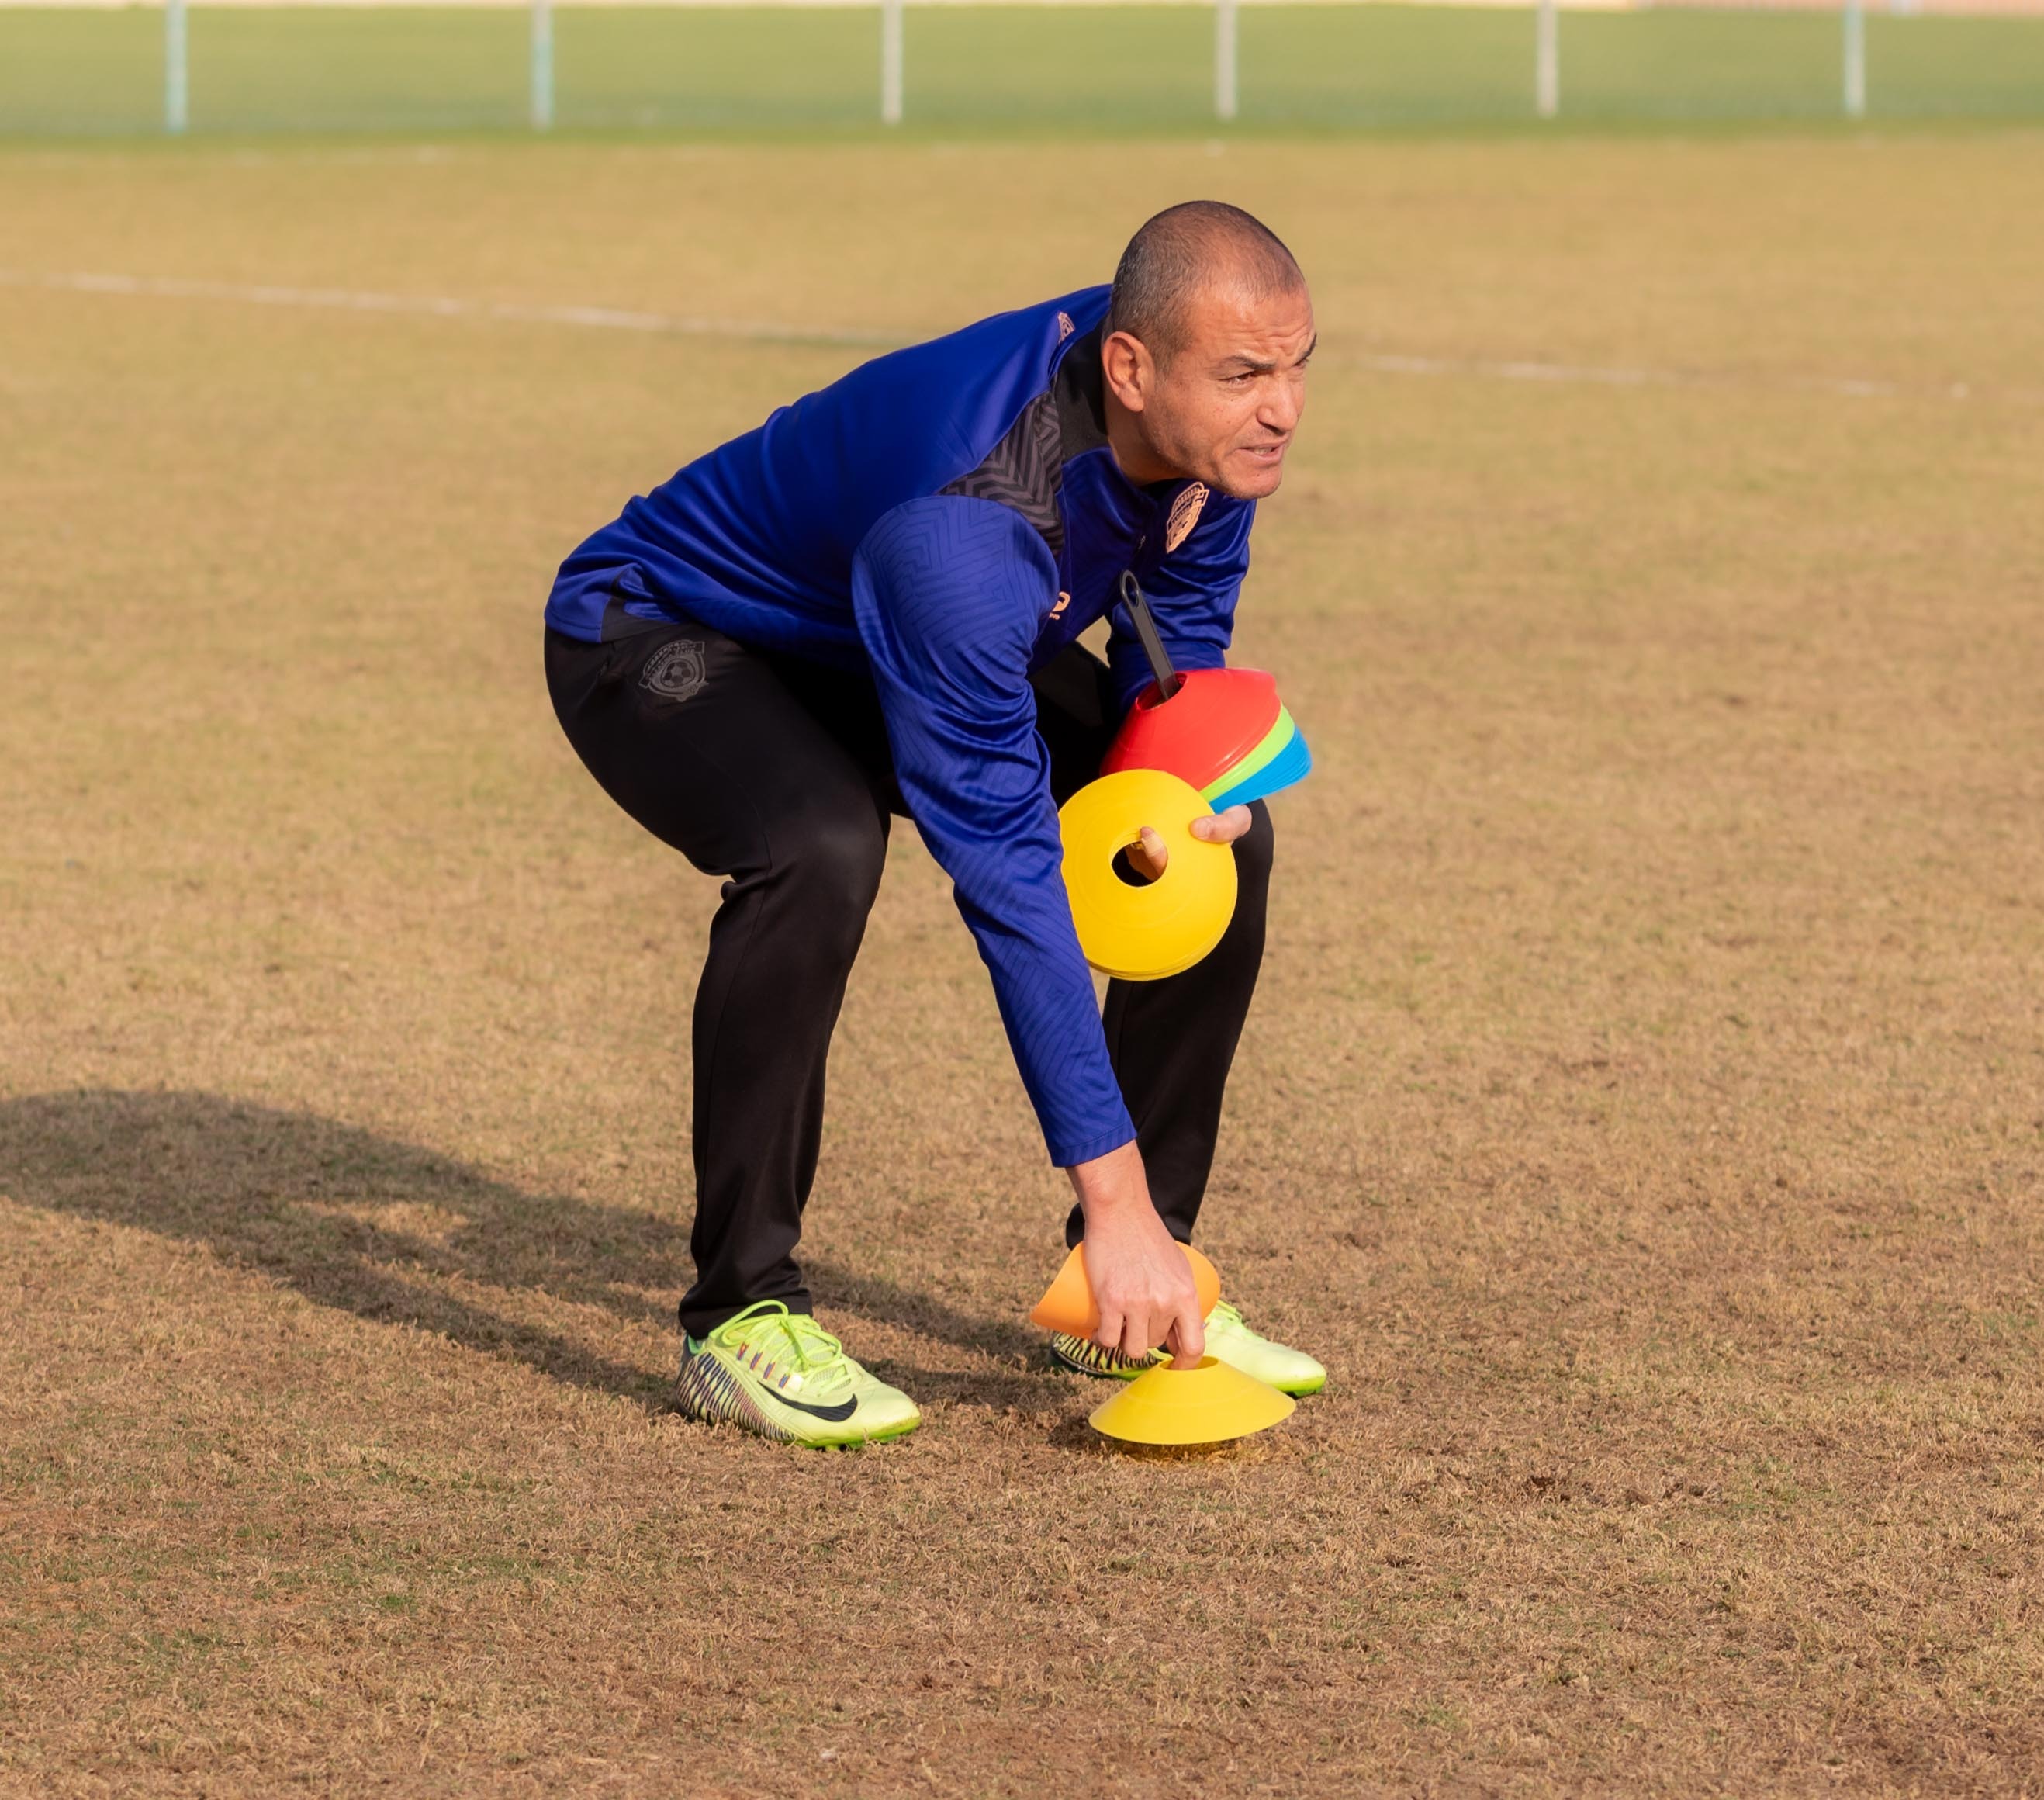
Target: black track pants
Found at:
x=775, y=774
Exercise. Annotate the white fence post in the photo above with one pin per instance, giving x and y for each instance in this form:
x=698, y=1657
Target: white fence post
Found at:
x=1224, y=48
x=1546, y=60
x=543, y=65
x=177, y=87
x=890, y=61
x=1855, y=59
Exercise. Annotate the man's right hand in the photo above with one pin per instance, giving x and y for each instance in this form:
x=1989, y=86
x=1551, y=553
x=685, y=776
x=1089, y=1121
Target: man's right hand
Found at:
x=1142, y=1280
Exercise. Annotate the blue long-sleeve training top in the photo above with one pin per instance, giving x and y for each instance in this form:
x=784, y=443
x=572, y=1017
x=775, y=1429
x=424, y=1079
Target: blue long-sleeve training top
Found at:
x=945, y=519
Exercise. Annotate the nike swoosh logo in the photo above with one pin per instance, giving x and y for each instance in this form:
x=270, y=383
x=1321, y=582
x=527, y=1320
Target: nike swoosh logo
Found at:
x=836, y=1415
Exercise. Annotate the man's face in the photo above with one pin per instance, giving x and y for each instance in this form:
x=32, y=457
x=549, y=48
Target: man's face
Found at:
x=1223, y=405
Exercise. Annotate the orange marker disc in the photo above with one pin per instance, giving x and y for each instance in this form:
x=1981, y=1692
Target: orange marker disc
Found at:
x=1068, y=1304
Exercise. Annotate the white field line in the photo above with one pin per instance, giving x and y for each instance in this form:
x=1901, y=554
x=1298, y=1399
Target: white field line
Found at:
x=1590, y=374
x=438, y=306
x=756, y=331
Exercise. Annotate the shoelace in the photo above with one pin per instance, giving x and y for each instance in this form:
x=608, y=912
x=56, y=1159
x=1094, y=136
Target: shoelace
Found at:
x=811, y=1349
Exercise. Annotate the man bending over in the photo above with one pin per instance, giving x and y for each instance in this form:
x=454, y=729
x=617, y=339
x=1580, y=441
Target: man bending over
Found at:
x=870, y=606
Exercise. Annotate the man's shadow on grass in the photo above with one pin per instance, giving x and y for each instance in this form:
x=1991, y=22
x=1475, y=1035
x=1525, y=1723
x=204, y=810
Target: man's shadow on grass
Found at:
x=392, y=1231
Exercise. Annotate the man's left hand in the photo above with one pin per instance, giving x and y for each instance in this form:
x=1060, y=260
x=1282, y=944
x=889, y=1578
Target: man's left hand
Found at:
x=1149, y=856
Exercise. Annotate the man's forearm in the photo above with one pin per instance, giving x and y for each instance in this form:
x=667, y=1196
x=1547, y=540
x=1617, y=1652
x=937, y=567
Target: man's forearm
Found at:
x=1113, y=1184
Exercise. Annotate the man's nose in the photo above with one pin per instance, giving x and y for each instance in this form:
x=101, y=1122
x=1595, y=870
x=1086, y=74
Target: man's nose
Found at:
x=1282, y=404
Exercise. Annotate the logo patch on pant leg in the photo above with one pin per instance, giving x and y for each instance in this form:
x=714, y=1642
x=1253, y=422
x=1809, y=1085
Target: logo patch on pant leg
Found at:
x=675, y=671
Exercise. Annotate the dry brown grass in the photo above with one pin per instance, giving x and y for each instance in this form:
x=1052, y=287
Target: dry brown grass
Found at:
x=1643, y=1113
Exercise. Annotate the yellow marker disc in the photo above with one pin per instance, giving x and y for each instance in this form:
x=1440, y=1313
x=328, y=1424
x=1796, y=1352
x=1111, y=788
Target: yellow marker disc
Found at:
x=1144, y=933
x=1208, y=1403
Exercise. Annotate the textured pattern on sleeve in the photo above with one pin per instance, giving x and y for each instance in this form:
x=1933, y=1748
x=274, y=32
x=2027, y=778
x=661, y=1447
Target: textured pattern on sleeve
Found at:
x=949, y=593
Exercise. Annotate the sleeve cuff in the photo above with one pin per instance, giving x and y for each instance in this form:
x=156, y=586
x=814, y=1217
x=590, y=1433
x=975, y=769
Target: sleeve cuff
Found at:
x=1066, y=1156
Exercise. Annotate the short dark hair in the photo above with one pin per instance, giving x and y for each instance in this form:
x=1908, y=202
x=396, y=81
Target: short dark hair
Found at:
x=1184, y=250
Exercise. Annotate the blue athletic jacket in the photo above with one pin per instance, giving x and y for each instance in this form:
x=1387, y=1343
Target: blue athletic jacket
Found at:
x=946, y=519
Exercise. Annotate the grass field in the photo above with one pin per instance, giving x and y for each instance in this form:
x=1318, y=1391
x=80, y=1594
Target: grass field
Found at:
x=1111, y=69
x=1642, y=1114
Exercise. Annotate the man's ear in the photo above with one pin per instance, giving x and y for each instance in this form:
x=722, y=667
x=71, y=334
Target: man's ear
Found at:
x=1129, y=369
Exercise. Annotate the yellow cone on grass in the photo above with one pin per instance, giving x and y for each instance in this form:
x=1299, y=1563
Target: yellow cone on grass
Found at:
x=1208, y=1403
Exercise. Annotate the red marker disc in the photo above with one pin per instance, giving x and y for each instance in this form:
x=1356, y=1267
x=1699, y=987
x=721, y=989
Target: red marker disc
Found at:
x=1215, y=719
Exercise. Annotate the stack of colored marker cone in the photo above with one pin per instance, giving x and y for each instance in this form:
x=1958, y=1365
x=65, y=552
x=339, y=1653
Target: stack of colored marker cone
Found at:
x=1224, y=731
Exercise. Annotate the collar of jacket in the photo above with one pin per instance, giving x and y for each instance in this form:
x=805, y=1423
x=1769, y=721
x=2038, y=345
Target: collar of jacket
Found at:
x=1079, y=391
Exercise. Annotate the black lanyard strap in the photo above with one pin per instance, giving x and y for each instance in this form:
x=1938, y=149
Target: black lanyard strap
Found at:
x=1146, y=630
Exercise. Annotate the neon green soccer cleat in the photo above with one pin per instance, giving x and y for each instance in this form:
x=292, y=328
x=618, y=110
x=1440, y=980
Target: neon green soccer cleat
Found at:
x=1289, y=1371
x=781, y=1374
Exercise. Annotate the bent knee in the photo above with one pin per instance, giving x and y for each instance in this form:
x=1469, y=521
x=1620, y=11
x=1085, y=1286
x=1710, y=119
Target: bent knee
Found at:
x=833, y=865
